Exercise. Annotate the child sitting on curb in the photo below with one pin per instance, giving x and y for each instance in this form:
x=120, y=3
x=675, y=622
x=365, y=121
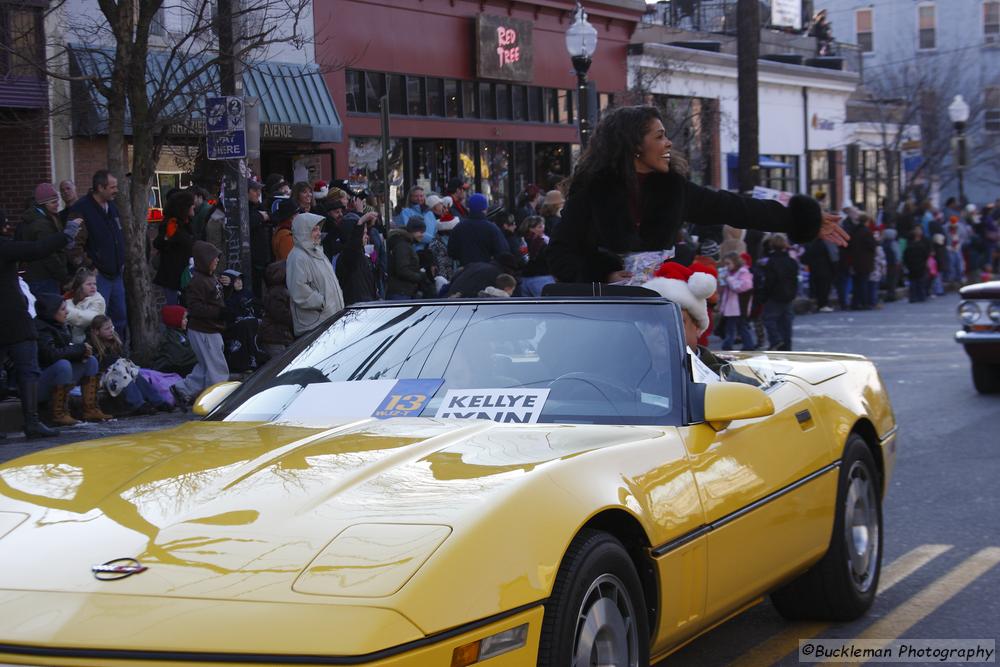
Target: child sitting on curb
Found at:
x=120, y=376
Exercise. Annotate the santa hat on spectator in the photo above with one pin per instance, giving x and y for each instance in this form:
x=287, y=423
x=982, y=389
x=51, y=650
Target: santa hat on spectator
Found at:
x=320, y=190
x=688, y=287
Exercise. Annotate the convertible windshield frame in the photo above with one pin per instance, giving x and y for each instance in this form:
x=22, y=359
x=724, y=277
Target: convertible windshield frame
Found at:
x=673, y=358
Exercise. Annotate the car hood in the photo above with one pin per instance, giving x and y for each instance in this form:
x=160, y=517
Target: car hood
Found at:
x=236, y=511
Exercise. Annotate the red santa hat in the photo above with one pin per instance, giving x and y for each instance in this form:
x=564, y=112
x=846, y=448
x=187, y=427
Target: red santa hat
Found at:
x=320, y=189
x=688, y=287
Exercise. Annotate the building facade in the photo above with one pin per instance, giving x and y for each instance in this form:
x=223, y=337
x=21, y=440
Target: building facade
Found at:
x=923, y=53
x=479, y=89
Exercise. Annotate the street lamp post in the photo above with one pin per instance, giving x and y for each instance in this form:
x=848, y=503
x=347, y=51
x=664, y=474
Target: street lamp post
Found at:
x=958, y=112
x=581, y=42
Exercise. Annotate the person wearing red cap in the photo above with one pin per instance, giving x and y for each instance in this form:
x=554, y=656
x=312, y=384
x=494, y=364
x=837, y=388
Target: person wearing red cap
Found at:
x=627, y=198
x=51, y=274
x=175, y=354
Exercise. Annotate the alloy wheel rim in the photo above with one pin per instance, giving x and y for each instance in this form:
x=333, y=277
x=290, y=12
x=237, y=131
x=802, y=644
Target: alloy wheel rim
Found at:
x=861, y=527
x=606, y=631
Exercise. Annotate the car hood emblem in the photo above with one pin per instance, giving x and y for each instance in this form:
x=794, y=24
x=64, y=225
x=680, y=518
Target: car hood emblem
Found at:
x=119, y=568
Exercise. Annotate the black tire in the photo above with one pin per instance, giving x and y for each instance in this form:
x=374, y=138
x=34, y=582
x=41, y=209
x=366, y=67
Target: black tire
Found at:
x=834, y=589
x=595, y=566
x=986, y=377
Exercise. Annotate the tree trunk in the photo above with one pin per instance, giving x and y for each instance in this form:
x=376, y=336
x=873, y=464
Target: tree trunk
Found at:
x=748, y=50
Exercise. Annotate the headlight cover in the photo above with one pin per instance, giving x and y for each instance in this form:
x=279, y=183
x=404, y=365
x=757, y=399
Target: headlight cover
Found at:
x=371, y=560
x=994, y=312
x=969, y=312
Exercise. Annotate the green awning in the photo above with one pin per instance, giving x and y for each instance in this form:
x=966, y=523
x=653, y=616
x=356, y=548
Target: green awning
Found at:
x=294, y=103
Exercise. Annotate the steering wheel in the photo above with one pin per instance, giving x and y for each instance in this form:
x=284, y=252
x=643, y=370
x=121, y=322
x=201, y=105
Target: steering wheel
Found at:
x=613, y=392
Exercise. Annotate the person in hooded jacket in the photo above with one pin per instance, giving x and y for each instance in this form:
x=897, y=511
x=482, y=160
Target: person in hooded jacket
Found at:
x=915, y=257
x=355, y=269
x=64, y=364
x=206, y=321
x=174, y=242
x=18, y=337
x=41, y=220
x=276, y=326
x=312, y=285
x=406, y=278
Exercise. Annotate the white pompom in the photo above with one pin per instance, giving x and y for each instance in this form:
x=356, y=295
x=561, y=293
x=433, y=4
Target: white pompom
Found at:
x=701, y=284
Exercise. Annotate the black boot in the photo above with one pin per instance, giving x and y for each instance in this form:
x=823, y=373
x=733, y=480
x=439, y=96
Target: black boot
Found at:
x=33, y=426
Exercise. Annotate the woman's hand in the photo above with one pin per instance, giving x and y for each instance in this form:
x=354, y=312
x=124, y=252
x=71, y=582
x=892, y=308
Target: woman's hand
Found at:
x=831, y=230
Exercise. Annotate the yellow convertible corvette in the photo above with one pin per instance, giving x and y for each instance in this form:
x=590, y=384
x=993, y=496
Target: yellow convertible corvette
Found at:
x=522, y=482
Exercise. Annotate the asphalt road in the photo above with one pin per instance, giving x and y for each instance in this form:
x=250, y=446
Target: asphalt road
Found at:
x=942, y=513
x=941, y=565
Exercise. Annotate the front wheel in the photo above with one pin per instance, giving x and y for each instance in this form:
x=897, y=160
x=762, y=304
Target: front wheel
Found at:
x=841, y=586
x=986, y=377
x=596, y=614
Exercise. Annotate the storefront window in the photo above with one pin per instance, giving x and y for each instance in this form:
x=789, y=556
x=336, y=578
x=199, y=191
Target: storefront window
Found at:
x=487, y=101
x=355, y=96
x=469, y=100
x=416, y=99
x=374, y=90
x=517, y=101
x=397, y=94
x=503, y=102
x=434, y=163
x=565, y=107
x=494, y=169
x=872, y=178
x=822, y=177
x=452, y=103
x=364, y=164
x=535, y=112
x=435, y=97
x=522, y=166
x=466, y=165
x=551, y=164
x=551, y=105
x=782, y=174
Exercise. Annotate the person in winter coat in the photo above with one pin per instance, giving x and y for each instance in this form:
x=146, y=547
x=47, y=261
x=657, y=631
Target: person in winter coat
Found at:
x=817, y=258
x=105, y=245
x=276, y=326
x=406, y=278
x=282, y=240
x=355, y=269
x=551, y=210
x=915, y=257
x=243, y=353
x=175, y=354
x=206, y=322
x=261, y=253
x=312, y=285
x=890, y=246
x=173, y=242
x=475, y=277
x=18, y=336
x=861, y=249
x=64, y=364
x=139, y=396
x=38, y=222
x=216, y=234
x=528, y=203
x=535, y=275
x=84, y=304
x=781, y=284
x=476, y=239
x=626, y=197
x=444, y=264
x=736, y=280
x=939, y=251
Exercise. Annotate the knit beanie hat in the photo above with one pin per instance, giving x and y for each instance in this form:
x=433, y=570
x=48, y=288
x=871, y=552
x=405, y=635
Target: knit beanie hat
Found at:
x=44, y=192
x=477, y=203
x=686, y=286
x=173, y=316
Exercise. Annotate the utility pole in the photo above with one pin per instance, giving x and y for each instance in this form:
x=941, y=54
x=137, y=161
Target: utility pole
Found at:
x=747, y=53
x=237, y=250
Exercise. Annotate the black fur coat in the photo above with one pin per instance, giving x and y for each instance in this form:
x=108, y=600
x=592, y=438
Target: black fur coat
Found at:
x=597, y=227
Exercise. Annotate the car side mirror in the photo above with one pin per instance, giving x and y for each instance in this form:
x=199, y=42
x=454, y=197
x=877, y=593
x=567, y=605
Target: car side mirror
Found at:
x=210, y=399
x=726, y=402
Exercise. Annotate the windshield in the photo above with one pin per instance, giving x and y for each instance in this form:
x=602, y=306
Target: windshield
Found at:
x=592, y=363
